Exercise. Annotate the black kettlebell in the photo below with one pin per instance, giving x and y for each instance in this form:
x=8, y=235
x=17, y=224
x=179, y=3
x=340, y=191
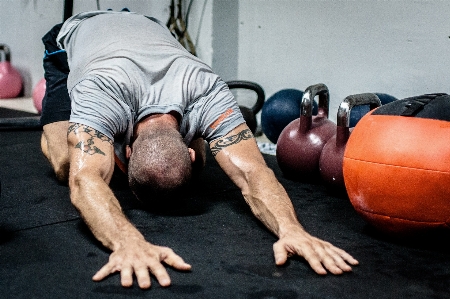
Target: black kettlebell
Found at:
x=249, y=114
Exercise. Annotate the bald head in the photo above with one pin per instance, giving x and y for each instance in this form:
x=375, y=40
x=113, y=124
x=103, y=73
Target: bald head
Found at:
x=160, y=163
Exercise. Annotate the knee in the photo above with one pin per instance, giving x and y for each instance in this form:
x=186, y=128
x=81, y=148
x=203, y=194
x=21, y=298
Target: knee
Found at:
x=59, y=161
x=54, y=147
x=61, y=170
x=44, y=146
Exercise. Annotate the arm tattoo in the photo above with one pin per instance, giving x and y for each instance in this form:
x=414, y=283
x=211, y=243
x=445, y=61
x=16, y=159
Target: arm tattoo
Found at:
x=93, y=135
x=230, y=140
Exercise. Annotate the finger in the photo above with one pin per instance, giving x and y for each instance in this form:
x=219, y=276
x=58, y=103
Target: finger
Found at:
x=347, y=257
x=143, y=277
x=313, y=259
x=126, y=277
x=161, y=274
x=341, y=258
x=103, y=272
x=339, y=262
x=330, y=260
x=177, y=262
x=280, y=253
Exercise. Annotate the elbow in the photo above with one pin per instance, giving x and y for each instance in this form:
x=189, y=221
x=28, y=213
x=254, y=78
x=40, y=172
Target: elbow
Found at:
x=75, y=183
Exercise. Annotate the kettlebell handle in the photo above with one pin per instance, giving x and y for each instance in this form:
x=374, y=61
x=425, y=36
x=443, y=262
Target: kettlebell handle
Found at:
x=310, y=93
x=343, y=115
x=261, y=97
x=5, y=49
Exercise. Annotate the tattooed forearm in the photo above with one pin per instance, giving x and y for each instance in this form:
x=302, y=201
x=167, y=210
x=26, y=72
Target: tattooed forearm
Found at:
x=230, y=140
x=90, y=136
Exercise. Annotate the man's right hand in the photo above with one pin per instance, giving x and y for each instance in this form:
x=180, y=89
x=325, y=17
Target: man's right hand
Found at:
x=91, y=168
x=141, y=258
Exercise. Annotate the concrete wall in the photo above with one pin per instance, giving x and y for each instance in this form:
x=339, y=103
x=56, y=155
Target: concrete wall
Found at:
x=225, y=40
x=396, y=47
x=24, y=22
x=392, y=46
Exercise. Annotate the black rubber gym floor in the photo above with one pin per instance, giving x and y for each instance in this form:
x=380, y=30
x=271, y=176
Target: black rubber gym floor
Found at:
x=46, y=250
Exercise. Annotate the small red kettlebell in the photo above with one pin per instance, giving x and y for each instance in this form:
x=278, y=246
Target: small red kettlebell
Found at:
x=38, y=94
x=10, y=78
x=301, y=141
x=332, y=157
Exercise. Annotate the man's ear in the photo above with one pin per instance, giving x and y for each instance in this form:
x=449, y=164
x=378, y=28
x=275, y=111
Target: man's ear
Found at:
x=192, y=154
x=128, y=152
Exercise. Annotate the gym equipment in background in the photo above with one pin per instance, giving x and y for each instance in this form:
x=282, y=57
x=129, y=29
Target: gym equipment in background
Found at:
x=359, y=111
x=397, y=165
x=21, y=123
x=249, y=113
x=10, y=78
x=279, y=110
x=178, y=26
x=38, y=94
x=330, y=163
x=301, y=142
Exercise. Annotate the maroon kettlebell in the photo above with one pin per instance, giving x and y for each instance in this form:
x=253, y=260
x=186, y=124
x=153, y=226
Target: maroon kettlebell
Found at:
x=301, y=141
x=330, y=163
x=10, y=78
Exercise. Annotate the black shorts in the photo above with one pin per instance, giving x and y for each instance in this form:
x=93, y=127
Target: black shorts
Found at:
x=56, y=102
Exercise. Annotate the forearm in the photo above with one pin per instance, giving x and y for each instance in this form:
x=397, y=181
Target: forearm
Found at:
x=269, y=201
x=238, y=155
x=102, y=212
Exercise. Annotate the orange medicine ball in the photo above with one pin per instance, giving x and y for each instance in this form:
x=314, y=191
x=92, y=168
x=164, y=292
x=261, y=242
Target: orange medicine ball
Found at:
x=397, y=165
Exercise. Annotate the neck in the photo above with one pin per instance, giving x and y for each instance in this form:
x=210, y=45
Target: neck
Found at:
x=156, y=120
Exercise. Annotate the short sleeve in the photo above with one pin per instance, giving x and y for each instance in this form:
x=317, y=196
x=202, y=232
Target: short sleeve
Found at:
x=95, y=106
x=214, y=115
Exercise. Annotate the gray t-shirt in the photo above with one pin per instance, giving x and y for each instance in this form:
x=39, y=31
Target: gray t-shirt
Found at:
x=125, y=66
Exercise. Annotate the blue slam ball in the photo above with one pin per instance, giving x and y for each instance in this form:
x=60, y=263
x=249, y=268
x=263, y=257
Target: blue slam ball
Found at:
x=359, y=111
x=279, y=110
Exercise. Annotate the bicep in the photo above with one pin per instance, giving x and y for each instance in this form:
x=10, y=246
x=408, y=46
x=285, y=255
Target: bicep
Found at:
x=238, y=155
x=90, y=152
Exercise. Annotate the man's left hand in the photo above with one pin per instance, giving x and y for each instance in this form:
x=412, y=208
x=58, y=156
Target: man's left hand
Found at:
x=320, y=255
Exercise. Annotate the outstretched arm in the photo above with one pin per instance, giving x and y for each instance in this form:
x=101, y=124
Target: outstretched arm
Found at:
x=239, y=156
x=91, y=167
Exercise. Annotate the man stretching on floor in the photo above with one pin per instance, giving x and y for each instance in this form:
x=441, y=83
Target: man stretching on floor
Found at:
x=138, y=97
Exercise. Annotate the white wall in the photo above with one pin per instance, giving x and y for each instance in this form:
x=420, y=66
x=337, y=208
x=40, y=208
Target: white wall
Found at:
x=200, y=28
x=396, y=47
x=24, y=22
x=22, y=25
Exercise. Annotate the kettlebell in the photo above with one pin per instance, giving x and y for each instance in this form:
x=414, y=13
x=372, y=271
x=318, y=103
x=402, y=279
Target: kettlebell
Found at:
x=279, y=110
x=249, y=114
x=332, y=156
x=38, y=94
x=301, y=141
x=10, y=78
